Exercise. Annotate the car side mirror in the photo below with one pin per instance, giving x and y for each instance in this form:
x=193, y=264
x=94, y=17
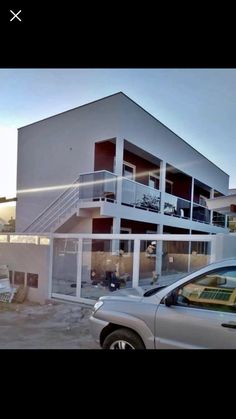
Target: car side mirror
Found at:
x=221, y=281
x=169, y=299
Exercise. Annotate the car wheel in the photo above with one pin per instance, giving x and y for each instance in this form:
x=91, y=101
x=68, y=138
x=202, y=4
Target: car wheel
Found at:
x=123, y=339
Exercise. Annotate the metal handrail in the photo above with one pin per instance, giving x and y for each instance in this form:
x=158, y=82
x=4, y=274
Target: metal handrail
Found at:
x=59, y=211
x=50, y=209
x=59, y=206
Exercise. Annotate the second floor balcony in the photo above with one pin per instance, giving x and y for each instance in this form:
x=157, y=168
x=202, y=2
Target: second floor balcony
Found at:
x=98, y=186
x=140, y=196
x=102, y=186
x=177, y=207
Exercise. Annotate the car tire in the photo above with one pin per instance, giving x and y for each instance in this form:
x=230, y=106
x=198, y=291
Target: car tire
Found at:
x=123, y=339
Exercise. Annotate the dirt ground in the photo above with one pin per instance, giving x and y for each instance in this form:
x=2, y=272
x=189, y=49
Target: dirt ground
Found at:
x=49, y=326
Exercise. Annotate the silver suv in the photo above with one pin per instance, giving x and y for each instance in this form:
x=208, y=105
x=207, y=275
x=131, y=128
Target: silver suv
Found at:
x=196, y=312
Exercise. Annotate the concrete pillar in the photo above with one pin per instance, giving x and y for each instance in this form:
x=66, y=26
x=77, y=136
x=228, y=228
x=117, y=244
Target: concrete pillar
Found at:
x=79, y=268
x=192, y=197
x=226, y=221
x=211, y=212
x=162, y=184
x=115, y=230
x=136, y=263
x=119, y=166
x=189, y=252
x=159, y=251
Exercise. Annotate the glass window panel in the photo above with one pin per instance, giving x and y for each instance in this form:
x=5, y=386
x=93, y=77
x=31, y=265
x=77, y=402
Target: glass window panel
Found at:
x=106, y=266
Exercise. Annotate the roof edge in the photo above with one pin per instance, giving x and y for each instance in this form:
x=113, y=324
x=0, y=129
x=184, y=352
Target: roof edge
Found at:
x=72, y=109
x=131, y=100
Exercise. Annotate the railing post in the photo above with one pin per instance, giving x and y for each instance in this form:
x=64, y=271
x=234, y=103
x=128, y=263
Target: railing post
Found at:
x=119, y=167
x=159, y=251
x=136, y=262
x=213, y=255
x=211, y=211
x=79, y=267
x=191, y=200
x=50, y=268
x=189, y=252
x=115, y=243
x=162, y=186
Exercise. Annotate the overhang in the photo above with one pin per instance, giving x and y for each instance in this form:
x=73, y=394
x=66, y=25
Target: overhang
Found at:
x=223, y=204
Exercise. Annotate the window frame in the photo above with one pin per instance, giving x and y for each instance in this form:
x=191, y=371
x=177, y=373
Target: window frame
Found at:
x=171, y=183
x=217, y=307
x=153, y=174
x=130, y=165
x=203, y=197
x=129, y=230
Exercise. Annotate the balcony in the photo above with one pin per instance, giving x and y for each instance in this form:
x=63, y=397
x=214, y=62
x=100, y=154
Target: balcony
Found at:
x=177, y=207
x=102, y=186
x=218, y=219
x=201, y=214
x=98, y=186
x=140, y=196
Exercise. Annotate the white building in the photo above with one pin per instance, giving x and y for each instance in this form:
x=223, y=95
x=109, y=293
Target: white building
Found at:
x=110, y=166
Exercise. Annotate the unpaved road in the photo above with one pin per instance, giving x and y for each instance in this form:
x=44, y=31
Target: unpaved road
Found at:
x=49, y=326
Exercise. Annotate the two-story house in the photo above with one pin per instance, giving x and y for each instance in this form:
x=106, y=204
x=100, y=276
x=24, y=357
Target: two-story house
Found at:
x=110, y=166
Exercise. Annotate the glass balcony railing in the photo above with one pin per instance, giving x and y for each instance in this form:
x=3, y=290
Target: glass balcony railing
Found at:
x=140, y=196
x=218, y=219
x=201, y=214
x=176, y=206
x=102, y=185
x=99, y=185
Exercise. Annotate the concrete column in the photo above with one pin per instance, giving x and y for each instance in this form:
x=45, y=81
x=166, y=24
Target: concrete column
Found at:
x=162, y=184
x=119, y=167
x=189, y=252
x=226, y=221
x=211, y=212
x=79, y=268
x=115, y=230
x=136, y=262
x=159, y=251
x=192, y=196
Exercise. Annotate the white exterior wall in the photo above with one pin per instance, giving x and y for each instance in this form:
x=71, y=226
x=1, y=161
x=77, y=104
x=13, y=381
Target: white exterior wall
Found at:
x=45, y=157
x=32, y=259
x=225, y=246
x=143, y=130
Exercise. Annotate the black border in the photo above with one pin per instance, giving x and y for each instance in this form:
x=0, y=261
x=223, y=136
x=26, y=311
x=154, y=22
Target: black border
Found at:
x=75, y=35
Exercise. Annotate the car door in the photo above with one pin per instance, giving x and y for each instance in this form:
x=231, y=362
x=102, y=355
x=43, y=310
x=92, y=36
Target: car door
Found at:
x=202, y=313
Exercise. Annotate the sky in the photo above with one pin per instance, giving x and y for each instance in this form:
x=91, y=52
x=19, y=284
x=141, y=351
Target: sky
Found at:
x=197, y=104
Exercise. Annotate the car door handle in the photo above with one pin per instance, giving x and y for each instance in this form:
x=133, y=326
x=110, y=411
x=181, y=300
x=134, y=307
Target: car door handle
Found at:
x=231, y=325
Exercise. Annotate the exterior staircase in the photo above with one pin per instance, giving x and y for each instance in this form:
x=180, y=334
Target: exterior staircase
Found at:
x=58, y=212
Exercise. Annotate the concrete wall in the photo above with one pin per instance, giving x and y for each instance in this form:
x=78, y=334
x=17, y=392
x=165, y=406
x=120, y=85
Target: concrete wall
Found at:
x=28, y=258
x=142, y=129
x=54, y=151
x=104, y=156
x=225, y=246
x=142, y=166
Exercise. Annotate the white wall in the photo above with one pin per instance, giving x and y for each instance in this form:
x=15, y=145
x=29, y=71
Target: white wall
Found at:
x=28, y=258
x=54, y=151
x=142, y=129
x=225, y=246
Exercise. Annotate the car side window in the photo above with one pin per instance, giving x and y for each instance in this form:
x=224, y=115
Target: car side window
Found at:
x=215, y=290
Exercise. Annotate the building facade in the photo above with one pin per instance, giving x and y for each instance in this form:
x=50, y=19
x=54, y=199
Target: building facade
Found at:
x=111, y=167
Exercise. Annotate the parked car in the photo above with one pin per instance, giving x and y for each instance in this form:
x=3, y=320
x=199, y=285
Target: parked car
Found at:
x=196, y=312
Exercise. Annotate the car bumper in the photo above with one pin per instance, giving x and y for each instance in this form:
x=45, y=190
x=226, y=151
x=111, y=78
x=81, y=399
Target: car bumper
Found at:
x=96, y=327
